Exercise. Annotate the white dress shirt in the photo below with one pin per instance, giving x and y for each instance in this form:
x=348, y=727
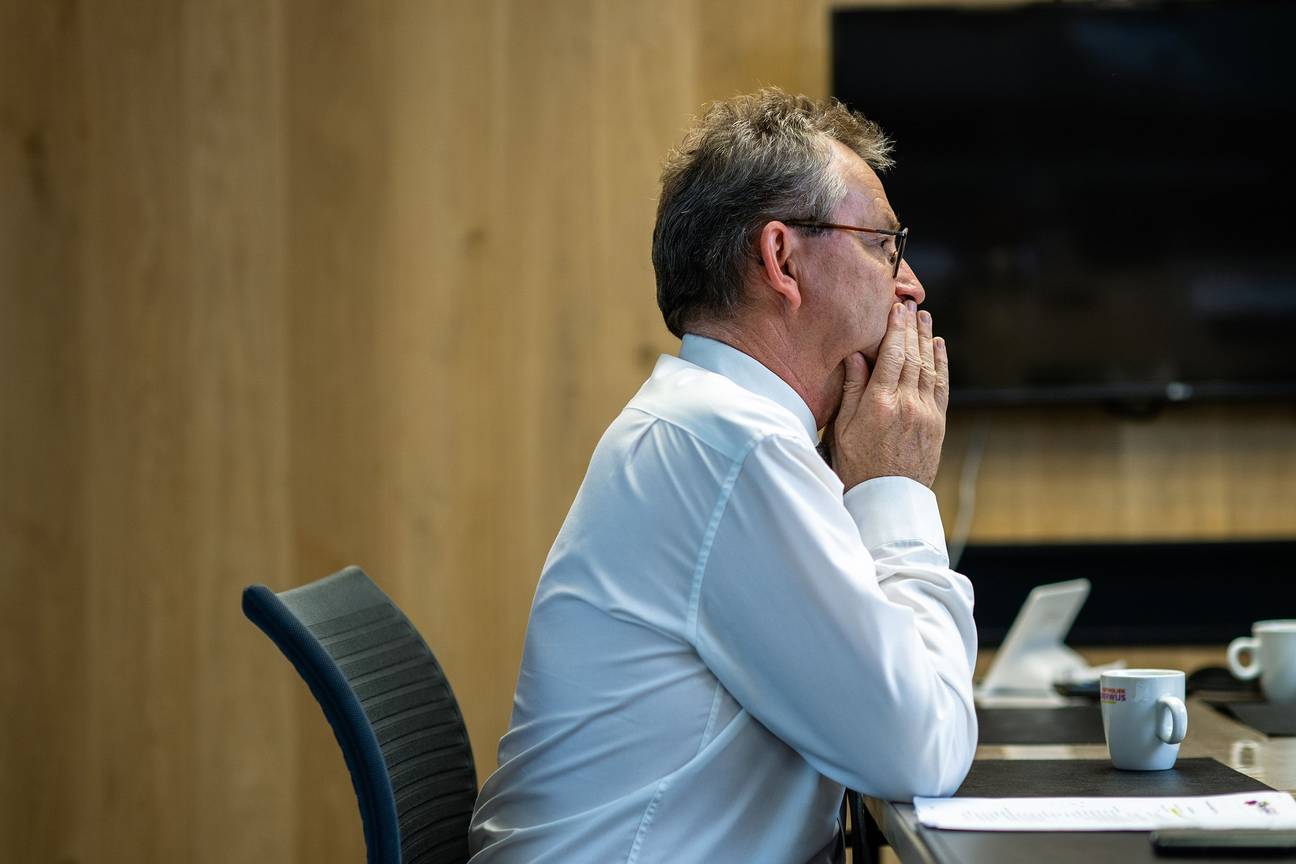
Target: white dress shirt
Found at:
x=720, y=640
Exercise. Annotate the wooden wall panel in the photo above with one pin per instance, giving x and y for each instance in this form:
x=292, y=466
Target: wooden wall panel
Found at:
x=339, y=178
x=1076, y=474
x=42, y=577
x=291, y=284
x=182, y=334
x=140, y=490
x=239, y=435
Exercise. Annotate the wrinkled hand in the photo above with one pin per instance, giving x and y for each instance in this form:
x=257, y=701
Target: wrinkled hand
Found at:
x=892, y=422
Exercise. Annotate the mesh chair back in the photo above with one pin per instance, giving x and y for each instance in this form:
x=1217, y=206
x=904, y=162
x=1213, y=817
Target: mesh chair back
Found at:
x=390, y=707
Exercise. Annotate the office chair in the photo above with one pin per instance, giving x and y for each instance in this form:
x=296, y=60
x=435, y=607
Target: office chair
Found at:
x=390, y=707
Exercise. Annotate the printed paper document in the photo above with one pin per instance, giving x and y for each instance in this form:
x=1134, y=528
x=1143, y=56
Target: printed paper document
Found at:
x=1245, y=810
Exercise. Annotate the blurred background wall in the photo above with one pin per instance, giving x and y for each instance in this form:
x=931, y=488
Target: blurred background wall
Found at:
x=290, y=285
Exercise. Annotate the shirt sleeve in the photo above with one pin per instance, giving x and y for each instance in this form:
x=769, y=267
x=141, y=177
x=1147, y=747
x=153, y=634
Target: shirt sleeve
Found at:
x=837, y=623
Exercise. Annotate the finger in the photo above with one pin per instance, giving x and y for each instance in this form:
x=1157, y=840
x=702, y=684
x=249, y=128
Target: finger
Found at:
x=942, y=389
x=853, y=384
x=891, y=353
x=857, y=376
x=913, y=357
x=927, y=374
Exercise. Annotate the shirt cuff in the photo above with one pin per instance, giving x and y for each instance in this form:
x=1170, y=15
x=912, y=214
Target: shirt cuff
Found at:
x=890, y=510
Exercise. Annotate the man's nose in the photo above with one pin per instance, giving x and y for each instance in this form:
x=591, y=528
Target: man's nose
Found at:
x=907, y=286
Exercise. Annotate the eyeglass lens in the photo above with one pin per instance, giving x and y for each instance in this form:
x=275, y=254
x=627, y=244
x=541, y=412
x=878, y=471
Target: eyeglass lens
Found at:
x=899, y=251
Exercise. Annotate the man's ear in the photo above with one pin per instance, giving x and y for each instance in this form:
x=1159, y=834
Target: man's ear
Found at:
x=776, y=245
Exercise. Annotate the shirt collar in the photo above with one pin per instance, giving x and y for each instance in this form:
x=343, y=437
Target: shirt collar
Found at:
x=748, y=373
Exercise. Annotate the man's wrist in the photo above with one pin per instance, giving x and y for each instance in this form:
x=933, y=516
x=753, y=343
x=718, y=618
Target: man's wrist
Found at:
x=853, y=475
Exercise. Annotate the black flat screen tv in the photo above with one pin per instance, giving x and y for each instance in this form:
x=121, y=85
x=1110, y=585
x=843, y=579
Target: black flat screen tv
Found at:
x=1101, y=197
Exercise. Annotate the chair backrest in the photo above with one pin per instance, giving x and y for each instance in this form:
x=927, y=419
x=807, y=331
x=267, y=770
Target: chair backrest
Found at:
x=390, y=707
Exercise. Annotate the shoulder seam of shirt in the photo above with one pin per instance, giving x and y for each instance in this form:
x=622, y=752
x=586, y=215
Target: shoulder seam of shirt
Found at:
x=713, y=525
x=704, y=550
x=756, y=436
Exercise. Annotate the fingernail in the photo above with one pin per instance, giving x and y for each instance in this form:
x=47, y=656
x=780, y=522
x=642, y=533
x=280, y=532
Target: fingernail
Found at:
x=913, y=307
x=924, y=316
x=898, y=313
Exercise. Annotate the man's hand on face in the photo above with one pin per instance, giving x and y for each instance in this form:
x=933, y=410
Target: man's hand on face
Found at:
x=892, y=422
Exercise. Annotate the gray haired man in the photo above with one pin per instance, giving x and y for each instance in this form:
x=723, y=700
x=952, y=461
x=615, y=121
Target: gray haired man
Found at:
x=729, y=629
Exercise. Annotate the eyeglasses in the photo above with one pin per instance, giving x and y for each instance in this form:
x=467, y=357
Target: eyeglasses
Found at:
x=900, y=236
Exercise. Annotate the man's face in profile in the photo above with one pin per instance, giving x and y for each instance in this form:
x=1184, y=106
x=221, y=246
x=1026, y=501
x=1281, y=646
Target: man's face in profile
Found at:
x=850, y=273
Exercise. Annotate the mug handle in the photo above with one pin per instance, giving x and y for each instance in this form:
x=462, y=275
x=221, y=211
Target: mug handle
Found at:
x=1235, y=649
x=1178, y=720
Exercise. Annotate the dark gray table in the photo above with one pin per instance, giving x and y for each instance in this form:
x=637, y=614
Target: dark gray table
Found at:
x=1259, y=762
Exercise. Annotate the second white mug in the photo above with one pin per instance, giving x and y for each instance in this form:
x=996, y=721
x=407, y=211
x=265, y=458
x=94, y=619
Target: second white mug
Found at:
x=1272, y=646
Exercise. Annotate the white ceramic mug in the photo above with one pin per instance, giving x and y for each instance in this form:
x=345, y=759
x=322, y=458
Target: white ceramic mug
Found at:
x=1144, y=717
x=1272, y=646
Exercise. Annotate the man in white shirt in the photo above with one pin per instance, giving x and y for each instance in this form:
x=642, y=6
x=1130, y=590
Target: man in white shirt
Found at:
x=728, y=630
